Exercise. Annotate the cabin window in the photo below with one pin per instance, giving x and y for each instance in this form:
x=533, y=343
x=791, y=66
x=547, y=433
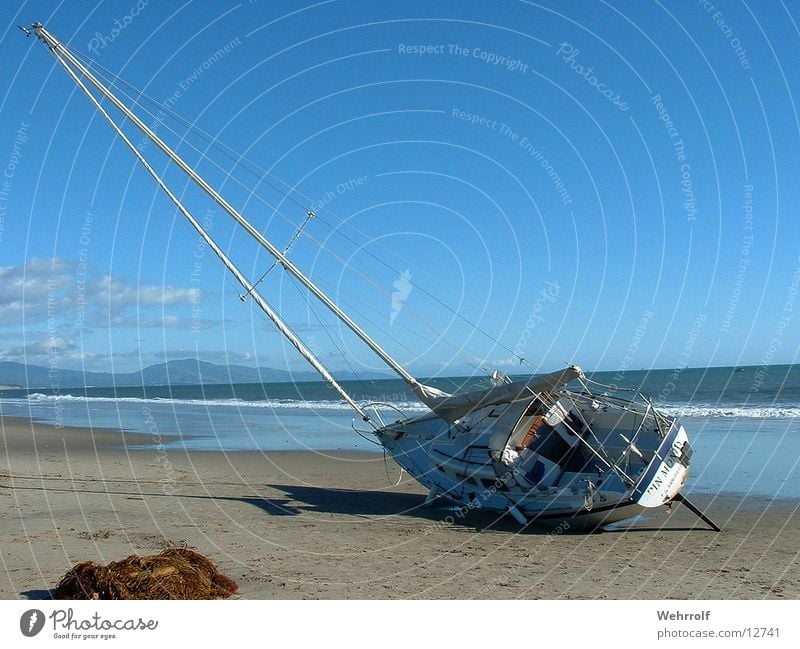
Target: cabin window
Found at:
x=550, y=445
x=545, y=441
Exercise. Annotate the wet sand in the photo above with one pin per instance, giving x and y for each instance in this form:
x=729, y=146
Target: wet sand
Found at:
x=310, y=525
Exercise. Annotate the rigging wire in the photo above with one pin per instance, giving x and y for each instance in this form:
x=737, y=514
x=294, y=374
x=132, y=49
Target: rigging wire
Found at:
x=261, y=175
x=309, y=215
x=304, y=296
x=386, y=467
x=365, y=318
x=313, y=309
x=415, y=332
x=70, y=65
x=424, y=321
x=112, y=79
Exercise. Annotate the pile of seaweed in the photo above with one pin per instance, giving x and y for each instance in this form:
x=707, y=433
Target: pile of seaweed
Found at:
x=175, y=573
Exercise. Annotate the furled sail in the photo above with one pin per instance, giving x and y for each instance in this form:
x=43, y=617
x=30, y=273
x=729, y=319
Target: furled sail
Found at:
x=453, y=407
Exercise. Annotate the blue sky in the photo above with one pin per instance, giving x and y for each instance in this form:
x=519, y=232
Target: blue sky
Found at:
x=611, y=184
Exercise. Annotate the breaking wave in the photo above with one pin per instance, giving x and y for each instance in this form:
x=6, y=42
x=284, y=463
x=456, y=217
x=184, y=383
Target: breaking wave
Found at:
x=270, y=404
x=688, y=410
x=747, y=412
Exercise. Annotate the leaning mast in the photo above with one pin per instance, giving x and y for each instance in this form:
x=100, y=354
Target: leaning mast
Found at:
x=65, y=59
x=65, y=56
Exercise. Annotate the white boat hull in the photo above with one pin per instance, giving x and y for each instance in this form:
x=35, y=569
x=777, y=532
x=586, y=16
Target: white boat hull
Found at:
x=471, y=462
x=528, y=448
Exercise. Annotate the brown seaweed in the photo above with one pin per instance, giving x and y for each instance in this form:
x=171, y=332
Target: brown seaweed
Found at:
x=175, y=573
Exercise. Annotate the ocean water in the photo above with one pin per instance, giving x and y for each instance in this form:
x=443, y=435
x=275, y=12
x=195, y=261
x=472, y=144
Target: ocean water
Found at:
x=744, y=423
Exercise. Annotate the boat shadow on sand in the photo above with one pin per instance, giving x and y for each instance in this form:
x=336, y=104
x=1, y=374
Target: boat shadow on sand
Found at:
x=38, y=594
x=377, y=504
x=298, y=500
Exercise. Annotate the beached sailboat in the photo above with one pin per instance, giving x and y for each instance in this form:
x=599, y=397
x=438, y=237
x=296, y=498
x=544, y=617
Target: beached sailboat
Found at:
x=552, y=448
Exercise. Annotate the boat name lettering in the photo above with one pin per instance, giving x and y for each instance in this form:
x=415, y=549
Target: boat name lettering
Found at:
x=663, y=477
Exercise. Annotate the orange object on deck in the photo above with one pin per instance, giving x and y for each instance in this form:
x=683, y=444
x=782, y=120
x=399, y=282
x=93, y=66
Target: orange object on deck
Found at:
x=531, y=432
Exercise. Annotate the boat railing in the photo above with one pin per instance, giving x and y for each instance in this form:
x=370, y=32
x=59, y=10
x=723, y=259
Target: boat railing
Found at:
x=587, y=435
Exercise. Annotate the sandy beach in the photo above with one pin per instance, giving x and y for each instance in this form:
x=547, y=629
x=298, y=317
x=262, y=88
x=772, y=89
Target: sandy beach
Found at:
x=310, y=525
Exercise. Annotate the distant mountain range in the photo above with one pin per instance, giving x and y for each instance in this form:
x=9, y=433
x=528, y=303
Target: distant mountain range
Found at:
x=187, y=371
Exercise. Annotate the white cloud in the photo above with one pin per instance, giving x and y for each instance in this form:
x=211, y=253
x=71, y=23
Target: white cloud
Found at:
x=119, y=294
x=511, y=361
x=58, y=291
x=39, y=348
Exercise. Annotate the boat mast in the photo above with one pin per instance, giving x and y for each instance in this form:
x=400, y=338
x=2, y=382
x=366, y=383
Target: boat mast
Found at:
x=249, y=287
x=62, y=52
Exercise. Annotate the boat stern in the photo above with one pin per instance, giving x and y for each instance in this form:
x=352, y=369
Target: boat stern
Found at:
x=668, y=469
